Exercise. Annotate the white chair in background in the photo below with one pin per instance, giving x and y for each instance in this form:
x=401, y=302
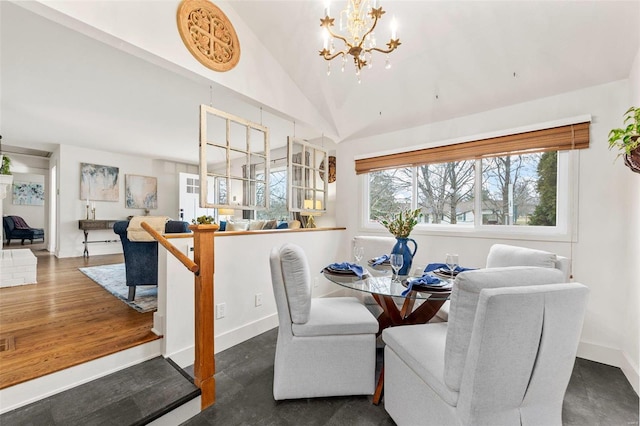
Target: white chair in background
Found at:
x=326, y=346
x=501, y=255
x=373, y=246
x=504, y=358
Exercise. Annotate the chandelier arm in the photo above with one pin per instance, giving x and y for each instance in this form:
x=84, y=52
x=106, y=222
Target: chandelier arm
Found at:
x=381, y=50
x=329, y=58
x=375, y=22
x=338, y=36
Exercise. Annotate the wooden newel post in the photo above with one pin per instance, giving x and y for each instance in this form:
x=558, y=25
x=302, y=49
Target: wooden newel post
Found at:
x=204, y=364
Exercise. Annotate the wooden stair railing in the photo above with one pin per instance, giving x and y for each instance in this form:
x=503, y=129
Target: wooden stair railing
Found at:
x=202, y=267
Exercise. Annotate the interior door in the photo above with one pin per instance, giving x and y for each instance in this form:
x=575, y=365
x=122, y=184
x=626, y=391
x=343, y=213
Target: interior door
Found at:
x=190, y=198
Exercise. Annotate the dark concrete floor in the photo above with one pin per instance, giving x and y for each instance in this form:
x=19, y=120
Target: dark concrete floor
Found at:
x=598, y=394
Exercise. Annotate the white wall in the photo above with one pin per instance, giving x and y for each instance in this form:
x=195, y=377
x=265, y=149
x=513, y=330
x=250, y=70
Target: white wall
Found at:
x=72, y=208
x=631, y=342
x=154, y=39
x=603, y=206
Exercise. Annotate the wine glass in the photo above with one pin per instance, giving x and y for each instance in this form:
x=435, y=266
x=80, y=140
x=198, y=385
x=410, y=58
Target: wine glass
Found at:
x=451, y=262
x=396, y=263
x=358, y=252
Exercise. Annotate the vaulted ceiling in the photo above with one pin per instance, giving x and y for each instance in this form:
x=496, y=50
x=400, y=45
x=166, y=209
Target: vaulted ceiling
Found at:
x=456, y=58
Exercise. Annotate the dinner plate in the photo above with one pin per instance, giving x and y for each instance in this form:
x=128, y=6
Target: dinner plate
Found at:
x=429, y=288
x=385, y=263
x=342, y=272
x=443, y=273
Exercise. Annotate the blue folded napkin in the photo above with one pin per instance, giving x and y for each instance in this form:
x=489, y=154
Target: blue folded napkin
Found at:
x=380, y=260
x=433, y=266
x=346, y=266
x=425, y=279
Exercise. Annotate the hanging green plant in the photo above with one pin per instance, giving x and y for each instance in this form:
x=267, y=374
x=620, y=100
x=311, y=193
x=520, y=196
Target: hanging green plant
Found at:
x=627, y=139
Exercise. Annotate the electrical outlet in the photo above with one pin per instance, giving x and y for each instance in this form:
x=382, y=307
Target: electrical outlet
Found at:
x=189, y=250
x=258, y=299
x=221, y=309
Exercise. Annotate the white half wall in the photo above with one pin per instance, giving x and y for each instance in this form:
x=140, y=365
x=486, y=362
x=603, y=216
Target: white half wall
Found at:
x=604, y=229
x=241, y=271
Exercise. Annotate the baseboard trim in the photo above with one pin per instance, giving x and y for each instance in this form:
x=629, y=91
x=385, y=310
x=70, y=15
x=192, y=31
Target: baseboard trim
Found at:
x=630, y=371
x=185, y=357
x=610, y=356
x=34, y=390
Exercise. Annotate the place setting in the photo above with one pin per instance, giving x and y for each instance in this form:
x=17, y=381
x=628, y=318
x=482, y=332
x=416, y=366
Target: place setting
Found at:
x=346, y=268
x=383, y=260
x=436, y=277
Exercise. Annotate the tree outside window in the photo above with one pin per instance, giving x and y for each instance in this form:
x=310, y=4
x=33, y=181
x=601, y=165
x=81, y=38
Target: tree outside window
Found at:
x=445, y=192
x=389, y=191
x=519, y=190
x=510, y=189
x=278, y=196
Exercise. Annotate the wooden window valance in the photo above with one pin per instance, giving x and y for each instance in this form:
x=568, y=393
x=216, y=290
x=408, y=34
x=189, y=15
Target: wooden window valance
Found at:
x=573, y=136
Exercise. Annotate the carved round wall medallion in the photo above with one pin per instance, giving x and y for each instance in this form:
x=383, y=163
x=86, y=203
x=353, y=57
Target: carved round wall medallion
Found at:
x=332, y=169
x=208, y=34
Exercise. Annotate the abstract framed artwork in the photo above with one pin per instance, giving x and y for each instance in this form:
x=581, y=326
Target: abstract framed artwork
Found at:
x=99, y=183
x=28, y=193
x=141, y=192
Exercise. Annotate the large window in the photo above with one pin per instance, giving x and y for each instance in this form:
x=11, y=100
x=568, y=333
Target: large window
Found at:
x=517, y=182
x=515, y=190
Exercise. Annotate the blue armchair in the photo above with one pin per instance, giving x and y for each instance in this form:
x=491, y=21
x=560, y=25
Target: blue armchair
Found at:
x=141, y=258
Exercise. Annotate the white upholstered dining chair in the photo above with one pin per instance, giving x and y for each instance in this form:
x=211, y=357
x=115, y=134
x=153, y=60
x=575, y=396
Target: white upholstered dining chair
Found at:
x=504, y=358
x=326, y=346
x=373, y=246
x=501, y=255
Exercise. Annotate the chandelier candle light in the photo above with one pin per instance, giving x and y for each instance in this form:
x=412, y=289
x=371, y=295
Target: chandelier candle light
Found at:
x=361, y=17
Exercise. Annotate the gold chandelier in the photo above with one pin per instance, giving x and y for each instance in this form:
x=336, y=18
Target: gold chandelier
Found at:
x=358, y=19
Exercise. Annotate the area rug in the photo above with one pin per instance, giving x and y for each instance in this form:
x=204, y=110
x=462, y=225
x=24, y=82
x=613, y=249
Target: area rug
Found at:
x=112, y=278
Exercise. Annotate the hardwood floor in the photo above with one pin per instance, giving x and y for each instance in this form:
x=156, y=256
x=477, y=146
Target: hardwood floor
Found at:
x=64, y=320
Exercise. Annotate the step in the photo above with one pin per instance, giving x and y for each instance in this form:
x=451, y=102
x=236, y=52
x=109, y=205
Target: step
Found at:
x=144, y=393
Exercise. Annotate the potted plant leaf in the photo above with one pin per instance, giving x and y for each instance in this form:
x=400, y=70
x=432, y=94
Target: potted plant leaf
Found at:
x=627, y=139
x=5, y=175
x=203, y=220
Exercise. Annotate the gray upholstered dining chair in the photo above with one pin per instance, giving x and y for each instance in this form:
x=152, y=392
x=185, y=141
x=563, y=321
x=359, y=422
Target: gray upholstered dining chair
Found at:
x=504, y=358
x=501, y=255
x=325, y=346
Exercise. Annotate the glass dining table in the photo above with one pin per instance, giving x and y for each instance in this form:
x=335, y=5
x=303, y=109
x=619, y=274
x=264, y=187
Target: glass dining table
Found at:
x=377, y=281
